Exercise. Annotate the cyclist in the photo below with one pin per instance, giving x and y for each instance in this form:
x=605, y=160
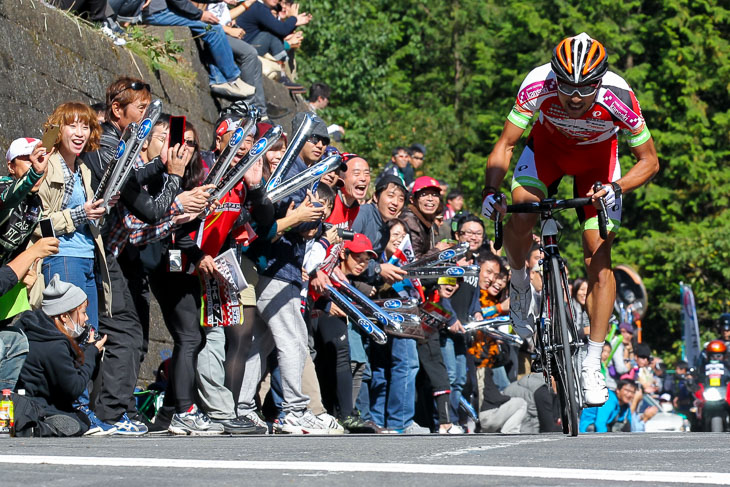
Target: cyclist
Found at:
x=581, y=106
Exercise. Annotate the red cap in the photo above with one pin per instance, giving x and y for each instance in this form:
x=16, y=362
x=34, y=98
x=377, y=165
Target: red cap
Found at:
x=425, y=182
x=360, y=243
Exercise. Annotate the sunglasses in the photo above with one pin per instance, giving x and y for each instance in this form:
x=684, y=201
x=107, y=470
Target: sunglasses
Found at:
x=191, y=143
x=135, y=85
x=314, y=139
x=583, y=90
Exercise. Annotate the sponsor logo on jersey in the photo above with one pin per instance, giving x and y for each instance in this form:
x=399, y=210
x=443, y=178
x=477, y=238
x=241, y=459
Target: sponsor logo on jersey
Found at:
x=392, y=304
x=534, y=90
x=120, y=149
x=397, y=317
x=236, y=137
x=258, y=147
x=144, y=129
x=447, y=254
x=596, y=113
x=621, y=110
x=455, y=271
x=365, y=324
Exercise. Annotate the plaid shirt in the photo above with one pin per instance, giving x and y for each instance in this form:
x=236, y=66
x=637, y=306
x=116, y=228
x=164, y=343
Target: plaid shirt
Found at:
x=78, y=214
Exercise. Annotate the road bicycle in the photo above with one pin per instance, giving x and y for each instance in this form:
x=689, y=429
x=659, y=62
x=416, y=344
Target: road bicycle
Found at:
x=556, y=337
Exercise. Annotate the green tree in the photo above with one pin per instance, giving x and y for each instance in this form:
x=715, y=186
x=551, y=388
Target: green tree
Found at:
x=446, y=73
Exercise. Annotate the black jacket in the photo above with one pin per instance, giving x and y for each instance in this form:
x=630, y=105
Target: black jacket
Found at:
x=50, y=375
x=135, y=198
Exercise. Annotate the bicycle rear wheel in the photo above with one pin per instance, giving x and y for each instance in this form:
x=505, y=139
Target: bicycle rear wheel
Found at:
x=563, y=354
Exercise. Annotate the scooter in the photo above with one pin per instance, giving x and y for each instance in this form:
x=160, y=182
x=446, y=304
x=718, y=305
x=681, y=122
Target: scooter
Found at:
x=712, y=399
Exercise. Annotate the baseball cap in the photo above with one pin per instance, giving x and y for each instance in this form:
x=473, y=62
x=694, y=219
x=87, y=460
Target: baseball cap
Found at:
x=388, y=179
x=319, y=128
x=425, y=182
x=626, y=326
x=360, y=243
x=21, y=147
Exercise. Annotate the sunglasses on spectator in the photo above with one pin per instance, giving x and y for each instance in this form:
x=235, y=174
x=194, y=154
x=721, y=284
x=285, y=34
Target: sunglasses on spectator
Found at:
x=135, y=85
x=191, y=143
x=583, y=90
x=314, y=139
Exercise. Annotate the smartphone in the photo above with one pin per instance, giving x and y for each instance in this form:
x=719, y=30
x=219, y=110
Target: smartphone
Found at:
x=47, y=228
x=177, y=130
x=49, y=137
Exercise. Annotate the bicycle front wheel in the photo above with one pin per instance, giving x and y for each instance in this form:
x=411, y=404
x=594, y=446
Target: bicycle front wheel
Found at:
x=563, y=351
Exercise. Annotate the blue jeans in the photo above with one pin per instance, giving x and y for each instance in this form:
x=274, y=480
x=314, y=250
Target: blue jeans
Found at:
x=13, y=350
x=453, y=351
x=393, y=402
x=79, y=272
x=222, y=68
x=499, y=374
x=266, y=42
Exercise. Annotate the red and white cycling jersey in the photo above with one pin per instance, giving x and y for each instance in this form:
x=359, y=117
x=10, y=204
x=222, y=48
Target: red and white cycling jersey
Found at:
x=615, y=108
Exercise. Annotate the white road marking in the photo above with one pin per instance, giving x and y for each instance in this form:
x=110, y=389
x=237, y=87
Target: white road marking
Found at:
x=650, y=476
x=490, y=447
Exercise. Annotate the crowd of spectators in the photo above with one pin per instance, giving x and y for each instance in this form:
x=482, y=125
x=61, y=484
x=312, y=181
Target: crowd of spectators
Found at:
x=75, y=307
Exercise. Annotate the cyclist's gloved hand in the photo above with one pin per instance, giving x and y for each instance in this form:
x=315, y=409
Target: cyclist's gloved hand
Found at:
x=491, y=202
x=610, y=197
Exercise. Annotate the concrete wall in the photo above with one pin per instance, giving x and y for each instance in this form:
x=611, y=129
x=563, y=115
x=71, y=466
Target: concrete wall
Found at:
x=47, y=58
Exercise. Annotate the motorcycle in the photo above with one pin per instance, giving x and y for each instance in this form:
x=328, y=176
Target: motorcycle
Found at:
x=712, y=399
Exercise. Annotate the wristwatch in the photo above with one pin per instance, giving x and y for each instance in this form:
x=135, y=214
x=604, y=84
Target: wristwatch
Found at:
x=377, y=268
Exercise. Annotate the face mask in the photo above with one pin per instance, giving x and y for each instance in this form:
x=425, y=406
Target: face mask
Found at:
x=77, y=330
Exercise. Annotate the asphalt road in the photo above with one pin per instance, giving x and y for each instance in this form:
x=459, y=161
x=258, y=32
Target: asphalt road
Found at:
x=373, y=460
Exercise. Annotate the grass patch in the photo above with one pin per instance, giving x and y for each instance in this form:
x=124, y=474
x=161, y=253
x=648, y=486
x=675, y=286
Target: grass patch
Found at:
x=158, y=54
x=161, y=54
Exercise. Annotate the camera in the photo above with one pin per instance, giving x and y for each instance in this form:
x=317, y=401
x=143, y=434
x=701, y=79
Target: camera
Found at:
x=341, y=232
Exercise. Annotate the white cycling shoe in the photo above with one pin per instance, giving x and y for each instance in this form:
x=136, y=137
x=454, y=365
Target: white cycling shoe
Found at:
x=595, y=391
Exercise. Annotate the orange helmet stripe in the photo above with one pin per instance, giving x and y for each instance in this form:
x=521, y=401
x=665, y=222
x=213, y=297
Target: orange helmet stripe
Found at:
x=588, y=66
x=564, y=44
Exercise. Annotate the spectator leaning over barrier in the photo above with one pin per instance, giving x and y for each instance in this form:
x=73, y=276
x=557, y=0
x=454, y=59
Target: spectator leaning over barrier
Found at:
x=224, y=73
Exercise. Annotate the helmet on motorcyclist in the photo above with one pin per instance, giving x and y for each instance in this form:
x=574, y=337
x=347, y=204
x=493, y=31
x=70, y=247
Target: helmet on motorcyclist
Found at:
x=579, y=61
x=716, y=350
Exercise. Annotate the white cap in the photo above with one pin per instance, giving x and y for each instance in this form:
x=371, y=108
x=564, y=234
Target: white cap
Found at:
x=21, y=147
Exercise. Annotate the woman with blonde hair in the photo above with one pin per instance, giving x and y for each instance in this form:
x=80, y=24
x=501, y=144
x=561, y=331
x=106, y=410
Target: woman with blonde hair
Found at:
x=67, y=200
x=67, y=197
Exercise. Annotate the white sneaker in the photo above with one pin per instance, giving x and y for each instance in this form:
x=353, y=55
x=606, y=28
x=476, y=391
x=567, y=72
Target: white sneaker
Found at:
x=300, y=423
x=330, y=424
x=233, y=89
x=454, y=429
x=256, y=419
x=519, y=311
x=595, y=391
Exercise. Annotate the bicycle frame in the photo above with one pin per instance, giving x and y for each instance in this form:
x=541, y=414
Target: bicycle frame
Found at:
x=556, y=337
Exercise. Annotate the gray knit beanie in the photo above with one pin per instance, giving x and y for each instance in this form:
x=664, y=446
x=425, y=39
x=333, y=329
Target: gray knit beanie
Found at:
x=61, y=297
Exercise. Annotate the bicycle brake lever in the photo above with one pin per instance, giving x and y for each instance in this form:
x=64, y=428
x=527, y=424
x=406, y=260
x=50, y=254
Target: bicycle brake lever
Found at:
x=602, y=212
